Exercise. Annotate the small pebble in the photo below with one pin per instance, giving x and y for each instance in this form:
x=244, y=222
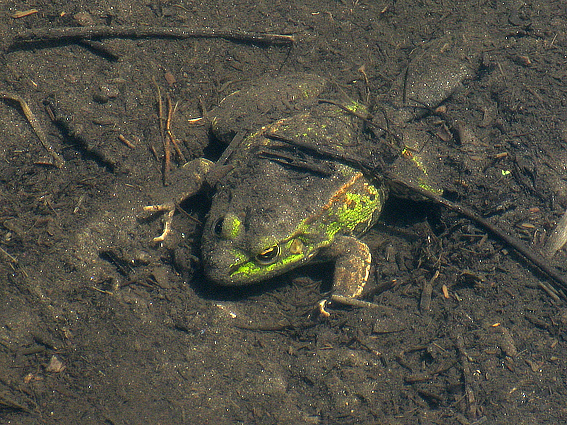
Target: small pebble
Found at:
x=105, y=93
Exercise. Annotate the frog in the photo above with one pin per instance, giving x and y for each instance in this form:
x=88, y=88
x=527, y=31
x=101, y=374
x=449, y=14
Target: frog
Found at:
x=278, y=209
x=276, y=206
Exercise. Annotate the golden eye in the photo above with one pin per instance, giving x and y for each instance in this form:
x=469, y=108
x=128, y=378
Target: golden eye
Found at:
x=268, y=256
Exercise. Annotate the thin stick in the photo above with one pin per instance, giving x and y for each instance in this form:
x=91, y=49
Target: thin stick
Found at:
x=9, y=257
x=166, y=142
x=58, y=161
x=161, y=119
x=472, y=406
x=101, y=31
x=126, y=141
x=173, y=140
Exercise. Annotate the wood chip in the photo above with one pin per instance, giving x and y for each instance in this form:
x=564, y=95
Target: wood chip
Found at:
x=507, y=342
x=170, y=78
x=23, y=14
x=55, y=365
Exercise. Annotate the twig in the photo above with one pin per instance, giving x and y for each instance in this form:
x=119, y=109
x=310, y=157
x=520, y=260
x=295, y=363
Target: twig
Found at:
x=175, y=144
x=32, y=120
x=8, y=257
x=166, y=142
x=426, y=292
x=341, y=299
x=127, y=142
x=169, y=133
x=102, y=31
x=161, y=118
x=472, y=407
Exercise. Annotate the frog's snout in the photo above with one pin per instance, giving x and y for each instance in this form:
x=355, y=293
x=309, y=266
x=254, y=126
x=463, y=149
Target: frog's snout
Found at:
x=218, y=265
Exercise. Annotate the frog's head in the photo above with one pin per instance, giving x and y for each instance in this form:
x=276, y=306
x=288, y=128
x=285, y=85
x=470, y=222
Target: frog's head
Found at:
x=239, y=253
x=244, y=243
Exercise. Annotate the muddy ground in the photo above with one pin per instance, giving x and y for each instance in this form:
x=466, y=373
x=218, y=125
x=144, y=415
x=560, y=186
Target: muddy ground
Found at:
x=89, y=337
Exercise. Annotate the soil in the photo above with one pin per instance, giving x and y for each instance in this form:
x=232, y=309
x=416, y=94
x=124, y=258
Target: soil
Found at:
x=94, y=331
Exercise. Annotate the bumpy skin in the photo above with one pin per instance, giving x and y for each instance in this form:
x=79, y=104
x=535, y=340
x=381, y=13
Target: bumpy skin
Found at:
x=268, y=217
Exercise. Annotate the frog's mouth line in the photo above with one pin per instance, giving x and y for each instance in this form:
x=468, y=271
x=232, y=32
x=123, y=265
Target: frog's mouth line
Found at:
x=249, y=270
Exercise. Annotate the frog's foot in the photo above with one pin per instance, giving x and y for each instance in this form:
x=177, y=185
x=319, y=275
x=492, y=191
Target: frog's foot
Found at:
x=168, y=209
x=352, y=268
x=188, y=181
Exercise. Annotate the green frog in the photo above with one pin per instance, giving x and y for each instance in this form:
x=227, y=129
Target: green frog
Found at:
x=276, y=206
x=279, y=208
x=277, y=203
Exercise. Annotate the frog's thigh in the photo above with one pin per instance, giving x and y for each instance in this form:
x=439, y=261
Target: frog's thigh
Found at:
x=352, y=266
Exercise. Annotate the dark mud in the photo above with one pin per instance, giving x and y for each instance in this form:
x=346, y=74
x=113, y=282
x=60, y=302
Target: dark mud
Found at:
x=132, y=337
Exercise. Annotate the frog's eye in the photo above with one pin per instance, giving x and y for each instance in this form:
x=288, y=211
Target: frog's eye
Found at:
x=268, y=256
x=217, y=228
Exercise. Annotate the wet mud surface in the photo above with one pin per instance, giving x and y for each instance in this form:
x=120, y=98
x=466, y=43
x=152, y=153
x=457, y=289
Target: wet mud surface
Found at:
x=100, y=325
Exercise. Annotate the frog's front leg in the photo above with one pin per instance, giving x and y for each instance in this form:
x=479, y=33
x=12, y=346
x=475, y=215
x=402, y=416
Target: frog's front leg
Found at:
x=189, y=180
x=352, y=268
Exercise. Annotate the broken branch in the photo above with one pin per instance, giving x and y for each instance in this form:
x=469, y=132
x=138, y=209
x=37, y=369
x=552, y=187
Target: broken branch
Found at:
x=102, y=31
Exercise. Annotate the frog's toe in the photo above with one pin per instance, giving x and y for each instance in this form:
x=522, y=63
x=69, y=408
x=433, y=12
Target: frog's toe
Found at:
x=168, y=209
x=321, y=308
